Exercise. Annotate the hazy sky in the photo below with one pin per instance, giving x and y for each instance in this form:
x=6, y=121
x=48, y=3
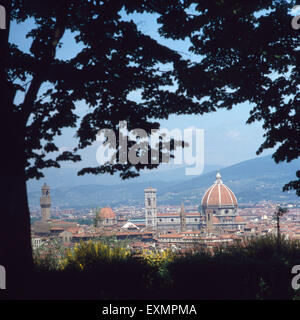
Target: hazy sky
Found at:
x=227, y=139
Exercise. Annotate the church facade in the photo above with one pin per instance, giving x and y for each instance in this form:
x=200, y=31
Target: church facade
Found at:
x=218, y=212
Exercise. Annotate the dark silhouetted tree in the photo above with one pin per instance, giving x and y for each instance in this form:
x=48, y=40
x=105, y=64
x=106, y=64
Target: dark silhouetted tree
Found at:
x=279, y=212
x=245, y=56
x=40, y=92
x=248, y=52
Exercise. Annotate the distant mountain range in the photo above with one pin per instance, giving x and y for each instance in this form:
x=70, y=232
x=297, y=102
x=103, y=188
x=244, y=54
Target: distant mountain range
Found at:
x=251, y=181
x=67, y=177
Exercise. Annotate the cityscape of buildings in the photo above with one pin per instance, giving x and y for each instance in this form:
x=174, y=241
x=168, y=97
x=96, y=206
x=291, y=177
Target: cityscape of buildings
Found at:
x=218, y=219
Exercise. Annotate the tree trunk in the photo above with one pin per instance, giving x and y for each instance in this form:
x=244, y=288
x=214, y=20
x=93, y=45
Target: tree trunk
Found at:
x=15, y=235
x=278, y=232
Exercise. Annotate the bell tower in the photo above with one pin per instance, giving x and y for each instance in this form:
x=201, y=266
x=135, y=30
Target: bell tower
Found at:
x=182, y=218
x=45, y=202
x=150, y=208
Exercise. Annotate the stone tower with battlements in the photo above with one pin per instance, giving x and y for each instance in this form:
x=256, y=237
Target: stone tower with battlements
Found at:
x=45, y=202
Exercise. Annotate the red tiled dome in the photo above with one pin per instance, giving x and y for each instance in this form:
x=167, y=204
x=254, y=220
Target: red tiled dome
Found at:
x=219, y=195
x=107, y=213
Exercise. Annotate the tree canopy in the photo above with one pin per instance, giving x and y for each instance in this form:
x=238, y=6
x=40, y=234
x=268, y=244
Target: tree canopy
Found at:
x=247, y=50
x=116, y=59
x=242, y=59
x=250, y=53
x=247, y=53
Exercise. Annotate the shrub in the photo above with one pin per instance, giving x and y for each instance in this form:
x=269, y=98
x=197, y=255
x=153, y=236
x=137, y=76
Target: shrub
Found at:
x=47, y=257
x=88, y=255
x=253, y=269
x=106, y=272
x=159, y=277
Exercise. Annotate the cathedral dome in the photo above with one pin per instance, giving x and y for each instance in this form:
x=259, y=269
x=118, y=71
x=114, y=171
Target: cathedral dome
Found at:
x=219, y=195
x=106, y=213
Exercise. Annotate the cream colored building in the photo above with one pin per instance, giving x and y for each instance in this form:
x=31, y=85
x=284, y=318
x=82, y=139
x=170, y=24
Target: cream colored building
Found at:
x=218, y=212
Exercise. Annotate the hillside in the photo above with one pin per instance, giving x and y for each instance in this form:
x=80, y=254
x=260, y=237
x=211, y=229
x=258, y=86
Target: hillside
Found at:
x=251, y=181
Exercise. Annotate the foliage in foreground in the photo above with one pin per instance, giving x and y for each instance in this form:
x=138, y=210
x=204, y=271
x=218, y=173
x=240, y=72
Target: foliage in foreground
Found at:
x=88, y=255
x=253, y=269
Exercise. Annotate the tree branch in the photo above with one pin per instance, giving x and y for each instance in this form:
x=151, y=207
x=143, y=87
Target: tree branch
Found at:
x=39, y=77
